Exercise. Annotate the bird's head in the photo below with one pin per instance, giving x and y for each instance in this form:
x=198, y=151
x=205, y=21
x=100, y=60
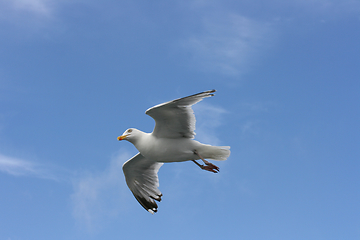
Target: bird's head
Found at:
x=129, y=135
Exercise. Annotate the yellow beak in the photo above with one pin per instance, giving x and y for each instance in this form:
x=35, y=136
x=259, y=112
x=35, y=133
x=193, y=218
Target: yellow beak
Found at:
x=122, y=137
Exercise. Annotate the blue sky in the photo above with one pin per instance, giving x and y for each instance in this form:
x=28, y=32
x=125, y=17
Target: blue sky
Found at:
x=75, y=74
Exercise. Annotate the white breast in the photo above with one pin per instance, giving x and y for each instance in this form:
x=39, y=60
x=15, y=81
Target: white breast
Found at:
x=167, y=149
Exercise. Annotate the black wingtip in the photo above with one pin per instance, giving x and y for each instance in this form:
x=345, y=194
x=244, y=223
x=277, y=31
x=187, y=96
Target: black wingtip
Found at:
x=149, y=206
x=210, y=92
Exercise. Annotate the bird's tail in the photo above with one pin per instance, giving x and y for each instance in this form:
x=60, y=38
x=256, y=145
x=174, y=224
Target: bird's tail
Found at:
x=219, y=153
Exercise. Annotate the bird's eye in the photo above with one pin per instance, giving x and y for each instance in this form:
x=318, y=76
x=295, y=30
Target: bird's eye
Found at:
x=129, y=131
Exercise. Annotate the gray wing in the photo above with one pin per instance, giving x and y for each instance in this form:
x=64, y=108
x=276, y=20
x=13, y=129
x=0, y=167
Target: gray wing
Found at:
x=176, y=118
x=142, y=179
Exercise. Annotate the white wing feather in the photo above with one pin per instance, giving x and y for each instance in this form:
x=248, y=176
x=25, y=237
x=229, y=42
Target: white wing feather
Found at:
x=142, y=179
x=176, y=119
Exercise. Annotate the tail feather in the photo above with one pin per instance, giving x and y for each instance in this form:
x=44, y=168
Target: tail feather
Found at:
x=219, y=153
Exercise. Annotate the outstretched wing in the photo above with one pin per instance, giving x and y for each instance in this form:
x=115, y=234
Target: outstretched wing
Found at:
x=176, y=118
x=142, y=179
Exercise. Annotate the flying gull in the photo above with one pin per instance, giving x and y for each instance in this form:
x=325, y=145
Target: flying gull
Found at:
x=171, y=141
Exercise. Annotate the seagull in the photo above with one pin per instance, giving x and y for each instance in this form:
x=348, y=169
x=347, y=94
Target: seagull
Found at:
x=172, y=140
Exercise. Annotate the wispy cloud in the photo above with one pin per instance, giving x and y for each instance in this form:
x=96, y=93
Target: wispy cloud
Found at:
x=329, y=6
x=209, y=118
x=17, y=167
x=98, y=196
x=228, y=43
x=43, y=7
x=28, y=18
x=35, y=8
x=21, y=167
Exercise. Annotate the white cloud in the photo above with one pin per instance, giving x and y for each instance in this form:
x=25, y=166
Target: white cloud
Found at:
x=208, y=119
x=228, y=43
x=330, y=5
x=20, y=167
x=42, y=7
x=16, y=167
x=28, y=18
x=98, y=197
x=18, y=8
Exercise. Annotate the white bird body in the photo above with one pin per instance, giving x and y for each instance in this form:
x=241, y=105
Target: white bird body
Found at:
x=167, y=149
x=171, y=141
x=164, y=150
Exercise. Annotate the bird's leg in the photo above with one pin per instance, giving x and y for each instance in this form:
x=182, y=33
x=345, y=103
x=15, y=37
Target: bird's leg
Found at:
x=208, y=165
x=201, y=166
x=210, y=168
